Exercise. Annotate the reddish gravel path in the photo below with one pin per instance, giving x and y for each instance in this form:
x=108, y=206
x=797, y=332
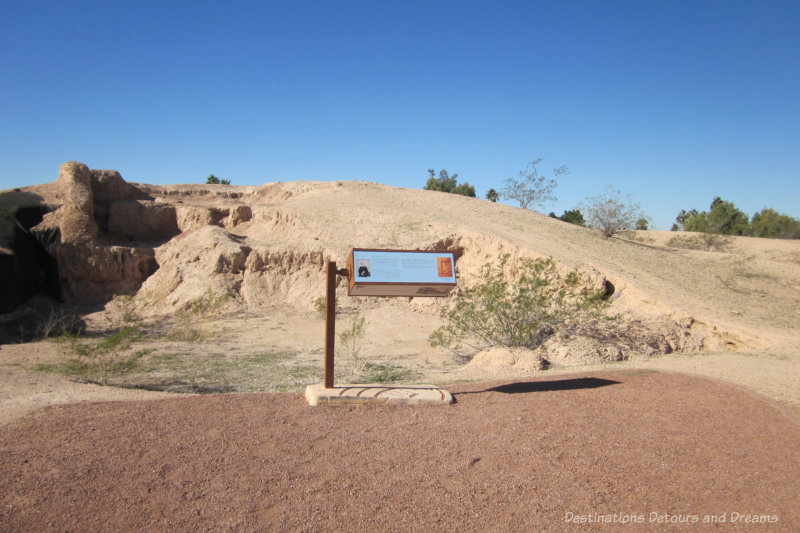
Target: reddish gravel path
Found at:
x=519, y=457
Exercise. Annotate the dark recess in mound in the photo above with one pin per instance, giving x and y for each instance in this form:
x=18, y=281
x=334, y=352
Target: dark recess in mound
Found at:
x=28, y=265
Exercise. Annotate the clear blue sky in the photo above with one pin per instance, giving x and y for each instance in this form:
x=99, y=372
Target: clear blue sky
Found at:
x=671, y=102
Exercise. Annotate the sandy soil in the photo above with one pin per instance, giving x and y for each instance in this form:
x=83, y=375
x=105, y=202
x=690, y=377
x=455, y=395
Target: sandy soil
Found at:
x=651, y=448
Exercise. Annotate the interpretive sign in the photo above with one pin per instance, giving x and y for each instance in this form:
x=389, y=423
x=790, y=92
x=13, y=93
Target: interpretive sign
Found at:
x=400, y=273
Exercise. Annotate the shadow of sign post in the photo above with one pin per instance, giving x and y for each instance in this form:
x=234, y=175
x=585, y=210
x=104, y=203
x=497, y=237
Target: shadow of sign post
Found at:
x=550, y=385
x=556, y=385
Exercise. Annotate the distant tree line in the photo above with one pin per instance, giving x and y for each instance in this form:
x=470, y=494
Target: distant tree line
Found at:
x=447, y=183
x=724, y=218
x=608, y=212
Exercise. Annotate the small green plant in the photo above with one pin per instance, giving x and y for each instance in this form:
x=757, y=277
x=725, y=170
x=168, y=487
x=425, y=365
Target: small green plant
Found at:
x=380, y=373
x=126, y=306
x=319, y=304
x=59, y=324
x=350, y=342
x=209, y=304
x=187, y=327
x=517, y=305
x=101, y=360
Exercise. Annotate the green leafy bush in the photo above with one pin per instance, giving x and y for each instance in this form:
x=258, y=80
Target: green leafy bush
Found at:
x=572, y=216
x=773, y=225
x=521, y=313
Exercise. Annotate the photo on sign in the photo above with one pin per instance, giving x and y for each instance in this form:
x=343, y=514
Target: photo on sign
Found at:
x=362, y=268
x=445, y=266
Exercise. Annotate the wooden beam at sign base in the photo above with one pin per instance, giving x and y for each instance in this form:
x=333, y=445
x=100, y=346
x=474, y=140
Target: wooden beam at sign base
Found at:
x=330, y=323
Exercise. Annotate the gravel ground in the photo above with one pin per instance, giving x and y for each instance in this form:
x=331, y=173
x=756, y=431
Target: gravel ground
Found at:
x=653, y=449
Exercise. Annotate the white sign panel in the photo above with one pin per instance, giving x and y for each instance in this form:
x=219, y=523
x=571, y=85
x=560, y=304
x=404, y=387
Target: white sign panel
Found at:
x=401, y=273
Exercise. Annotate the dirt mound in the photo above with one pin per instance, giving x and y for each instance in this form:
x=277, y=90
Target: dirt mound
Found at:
x=623, y=338
x=258, y=248
x=212, y=260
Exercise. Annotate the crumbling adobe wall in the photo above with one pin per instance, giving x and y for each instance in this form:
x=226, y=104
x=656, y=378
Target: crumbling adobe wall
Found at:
x=90, y=264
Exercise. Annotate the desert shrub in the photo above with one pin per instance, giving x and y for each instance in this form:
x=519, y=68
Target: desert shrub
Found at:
x=59, y=324
x=189, y=321
x=350, y=343
x=209, y=304
x=612, y=213
x=711, y=242
x=319, y=305
x=523, y=313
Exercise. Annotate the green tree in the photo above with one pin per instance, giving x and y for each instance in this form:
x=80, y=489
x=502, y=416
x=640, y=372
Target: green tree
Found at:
x=726, y=219
x=611, y=213
x=691, y=220
x=723, y=218
x=573, y=216
x=447, y=183
x=642, y=223
x=533, y=189
x=771, y=224
x=492, y=195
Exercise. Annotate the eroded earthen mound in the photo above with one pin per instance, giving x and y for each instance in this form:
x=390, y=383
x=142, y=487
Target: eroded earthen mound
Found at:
x=266, y=247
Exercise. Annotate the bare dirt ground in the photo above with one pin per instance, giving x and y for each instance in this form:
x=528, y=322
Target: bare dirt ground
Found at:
x=652, y=450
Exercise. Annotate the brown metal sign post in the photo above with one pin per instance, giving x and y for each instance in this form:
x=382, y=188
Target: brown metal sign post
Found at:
x=330, y=323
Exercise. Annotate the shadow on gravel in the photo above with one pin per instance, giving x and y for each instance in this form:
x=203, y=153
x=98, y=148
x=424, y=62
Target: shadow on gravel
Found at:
x=183, y=387
x=545, y=386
